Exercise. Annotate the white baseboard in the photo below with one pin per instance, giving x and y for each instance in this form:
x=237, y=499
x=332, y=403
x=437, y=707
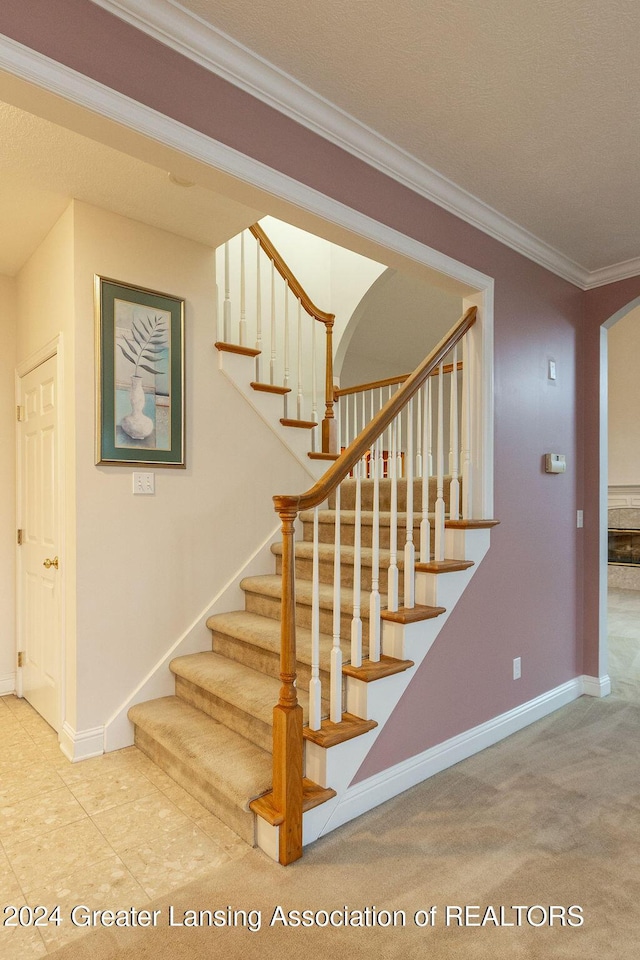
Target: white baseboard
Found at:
x=596, y=686
x=7, y=685
x=81, y=744
x=370, y=793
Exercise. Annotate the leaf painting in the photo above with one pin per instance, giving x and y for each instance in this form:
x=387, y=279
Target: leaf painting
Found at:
x=147, y=341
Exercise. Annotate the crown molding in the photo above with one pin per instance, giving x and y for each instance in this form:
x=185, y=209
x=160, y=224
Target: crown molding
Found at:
x=195, y=38
x=612, y=274
x=34, y=67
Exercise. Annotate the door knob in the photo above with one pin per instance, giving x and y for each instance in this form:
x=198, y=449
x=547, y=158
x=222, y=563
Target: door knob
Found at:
x=51, y=563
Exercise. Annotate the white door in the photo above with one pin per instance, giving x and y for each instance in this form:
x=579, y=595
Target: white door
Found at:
x=40, y=575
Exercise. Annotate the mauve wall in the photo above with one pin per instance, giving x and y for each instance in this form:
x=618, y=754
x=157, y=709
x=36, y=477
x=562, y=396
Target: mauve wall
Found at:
x=526, y=599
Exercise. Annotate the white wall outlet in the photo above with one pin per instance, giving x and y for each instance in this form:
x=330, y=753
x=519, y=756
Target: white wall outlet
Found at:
x=580, y=519
x=517, y=668
x=144, y=484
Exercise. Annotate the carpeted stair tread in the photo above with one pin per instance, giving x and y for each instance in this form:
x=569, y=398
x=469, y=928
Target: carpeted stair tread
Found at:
x=348, y=517
x=304, y=549
x=245, y=689
x=270, y=585
x=214, y=755
x=264, y=632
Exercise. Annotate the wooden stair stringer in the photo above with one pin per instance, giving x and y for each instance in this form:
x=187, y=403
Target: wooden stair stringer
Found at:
x=337, y=766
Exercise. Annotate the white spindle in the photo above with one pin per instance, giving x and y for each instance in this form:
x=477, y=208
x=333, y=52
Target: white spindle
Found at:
x=285, y=381
x=399, y=471
x=392, y=589
x=454, y=488
x=374, y=599
x=336, y=649
x=272, y=361
x=356, y=621
x=430, y=430
x=419, y=437
x=425, y=525
x=439, y=520
x=409, y=548
x=258, y=313
x=226, y=309
x=314, y=389
x=315, y=690
x=242, y=329
x=467, y=475
x=299, y=399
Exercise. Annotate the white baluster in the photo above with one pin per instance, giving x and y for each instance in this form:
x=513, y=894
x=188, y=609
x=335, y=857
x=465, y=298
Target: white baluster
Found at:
x=356, y=621
x=336, y=649
x=399, y=470
x=285, y=381
x=430, y=430
x=315, y=689
x=226, y=309
x=392, y=590
x=419, y=437
x=467, y=475
x=409, y=548
x=272, y=362
x=454, y=488
x=258, y=313
x=374, y=600
x=243, y=295
x=439, y=520
x=314, y=389
x=299, y=403
x=425, y=525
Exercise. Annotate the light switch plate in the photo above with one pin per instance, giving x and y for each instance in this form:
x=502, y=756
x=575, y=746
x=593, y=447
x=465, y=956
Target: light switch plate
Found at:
x=144, y=484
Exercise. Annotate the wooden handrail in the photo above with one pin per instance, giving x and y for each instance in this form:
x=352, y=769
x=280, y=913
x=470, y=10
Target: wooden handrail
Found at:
x=389, y=382
x=288, y=737
x=287, y=274
x=329, y=426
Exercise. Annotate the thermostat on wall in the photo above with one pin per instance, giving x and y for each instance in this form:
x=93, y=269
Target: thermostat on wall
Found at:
x=555, y=463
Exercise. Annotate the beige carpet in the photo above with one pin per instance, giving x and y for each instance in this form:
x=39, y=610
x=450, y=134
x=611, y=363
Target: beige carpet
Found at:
x=549, y=817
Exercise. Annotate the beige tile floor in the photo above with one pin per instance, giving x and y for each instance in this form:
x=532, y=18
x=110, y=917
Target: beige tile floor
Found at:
x=624, y=643
x=112, y=832
x=117, y=832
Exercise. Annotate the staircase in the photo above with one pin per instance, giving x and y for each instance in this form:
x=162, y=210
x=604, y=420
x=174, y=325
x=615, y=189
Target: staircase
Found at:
x=214, y=737
x=269, y=728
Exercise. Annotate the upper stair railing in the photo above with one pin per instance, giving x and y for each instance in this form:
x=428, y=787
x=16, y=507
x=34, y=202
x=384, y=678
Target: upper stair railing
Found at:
x=391, y=444
x=268, y=319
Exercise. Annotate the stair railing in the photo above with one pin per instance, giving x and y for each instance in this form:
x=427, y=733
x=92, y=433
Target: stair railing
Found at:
x=363, y=457
x=265, y=317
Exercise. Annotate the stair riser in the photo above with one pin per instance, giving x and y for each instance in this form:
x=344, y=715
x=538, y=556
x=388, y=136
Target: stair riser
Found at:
x=348, y=494
x=241, y=821
x=259, y=659
x=304, y=571
x=326, y=534
x=248, y=726
x=270, y=607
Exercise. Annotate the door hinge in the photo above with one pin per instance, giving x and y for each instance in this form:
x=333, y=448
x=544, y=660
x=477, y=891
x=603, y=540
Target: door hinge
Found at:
x=21, y=659
x=19, y=413
x=20, y=537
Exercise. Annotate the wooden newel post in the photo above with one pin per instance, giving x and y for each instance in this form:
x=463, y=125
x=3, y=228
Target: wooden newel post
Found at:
x=287, y=714
x=329, y=424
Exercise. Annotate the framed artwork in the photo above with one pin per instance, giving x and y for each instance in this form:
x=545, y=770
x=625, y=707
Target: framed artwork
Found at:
x=139, y=375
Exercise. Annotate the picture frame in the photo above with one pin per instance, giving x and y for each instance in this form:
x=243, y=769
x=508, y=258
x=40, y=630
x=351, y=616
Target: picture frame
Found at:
x=140, y=379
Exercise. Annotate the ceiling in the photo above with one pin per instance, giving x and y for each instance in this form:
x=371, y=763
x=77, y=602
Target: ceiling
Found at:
x=530, y=106
x=44, y=165
x=520, y=115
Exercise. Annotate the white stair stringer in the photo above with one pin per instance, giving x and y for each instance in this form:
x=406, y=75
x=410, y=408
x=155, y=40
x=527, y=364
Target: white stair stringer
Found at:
x=336, y=766
x=239, y=370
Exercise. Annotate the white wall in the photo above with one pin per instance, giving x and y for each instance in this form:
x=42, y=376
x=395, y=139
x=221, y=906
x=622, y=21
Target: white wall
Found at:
x=147, y=566
x=624, y=400
x=8, y=316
